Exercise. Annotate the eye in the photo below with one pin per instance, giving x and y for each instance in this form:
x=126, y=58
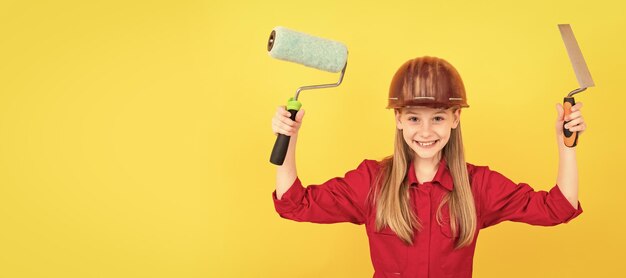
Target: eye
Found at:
x=440, y=119
x=412, y=119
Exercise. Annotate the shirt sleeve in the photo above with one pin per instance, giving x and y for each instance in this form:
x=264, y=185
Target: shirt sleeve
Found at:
x=340, y=199
x=505, y=200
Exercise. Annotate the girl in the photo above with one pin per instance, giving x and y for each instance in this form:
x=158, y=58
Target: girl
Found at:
x=424, y=205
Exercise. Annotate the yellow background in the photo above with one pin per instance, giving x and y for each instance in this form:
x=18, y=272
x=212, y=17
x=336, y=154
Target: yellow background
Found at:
x=135, y=135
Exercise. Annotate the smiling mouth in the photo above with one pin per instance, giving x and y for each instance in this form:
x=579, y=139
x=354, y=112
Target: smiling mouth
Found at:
x=427, y=143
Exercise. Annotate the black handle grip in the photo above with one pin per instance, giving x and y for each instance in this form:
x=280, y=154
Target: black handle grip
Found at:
x=570, y=139
x=282, y=144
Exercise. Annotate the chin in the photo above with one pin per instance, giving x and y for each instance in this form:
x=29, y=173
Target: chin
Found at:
x=426, y=154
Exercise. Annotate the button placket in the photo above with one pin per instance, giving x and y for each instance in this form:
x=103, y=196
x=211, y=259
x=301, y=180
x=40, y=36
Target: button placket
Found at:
x=427, y=220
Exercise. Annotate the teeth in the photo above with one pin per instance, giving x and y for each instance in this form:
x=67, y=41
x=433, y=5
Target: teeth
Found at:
x=427, y=144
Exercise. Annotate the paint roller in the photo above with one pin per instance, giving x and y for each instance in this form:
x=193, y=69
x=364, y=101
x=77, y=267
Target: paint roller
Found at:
x=311, y=51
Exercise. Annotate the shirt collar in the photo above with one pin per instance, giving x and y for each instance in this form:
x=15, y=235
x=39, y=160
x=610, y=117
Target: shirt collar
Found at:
x=442, y=177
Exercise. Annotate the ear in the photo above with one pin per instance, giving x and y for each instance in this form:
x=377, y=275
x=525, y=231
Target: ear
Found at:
x=457, y=118
x=398, y=122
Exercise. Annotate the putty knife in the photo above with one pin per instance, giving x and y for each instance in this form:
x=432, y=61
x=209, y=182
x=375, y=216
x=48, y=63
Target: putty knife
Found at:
x=582, y=74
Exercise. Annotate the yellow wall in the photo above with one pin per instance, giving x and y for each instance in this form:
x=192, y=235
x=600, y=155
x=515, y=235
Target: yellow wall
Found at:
x=135, y=135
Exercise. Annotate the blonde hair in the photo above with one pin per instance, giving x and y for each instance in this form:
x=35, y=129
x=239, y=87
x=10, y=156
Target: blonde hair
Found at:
x=391, y=194
x=433, y=82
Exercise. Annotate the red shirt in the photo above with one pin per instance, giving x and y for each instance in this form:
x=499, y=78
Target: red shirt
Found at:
x=432, y=254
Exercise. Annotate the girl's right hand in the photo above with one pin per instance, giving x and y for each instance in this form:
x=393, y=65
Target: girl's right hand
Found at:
x=281, y=123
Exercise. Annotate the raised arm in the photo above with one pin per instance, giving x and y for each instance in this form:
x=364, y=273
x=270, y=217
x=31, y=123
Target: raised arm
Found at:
x=567, y=178
x=281, y=123
x=502, y=199
x=340, y=199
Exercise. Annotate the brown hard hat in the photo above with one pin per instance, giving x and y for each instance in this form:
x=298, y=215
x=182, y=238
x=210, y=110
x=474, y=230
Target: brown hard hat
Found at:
x=427, y=81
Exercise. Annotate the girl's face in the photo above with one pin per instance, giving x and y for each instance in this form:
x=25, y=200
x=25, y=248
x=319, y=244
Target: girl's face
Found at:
x=427, y=130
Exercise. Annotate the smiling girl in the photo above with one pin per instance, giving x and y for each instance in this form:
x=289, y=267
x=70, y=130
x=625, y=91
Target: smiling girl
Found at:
x=423, y=206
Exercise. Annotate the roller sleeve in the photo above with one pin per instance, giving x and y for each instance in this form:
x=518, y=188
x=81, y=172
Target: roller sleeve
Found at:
x=311, y=51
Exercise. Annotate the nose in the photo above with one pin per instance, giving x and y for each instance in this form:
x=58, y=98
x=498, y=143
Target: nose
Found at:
x=425, y=129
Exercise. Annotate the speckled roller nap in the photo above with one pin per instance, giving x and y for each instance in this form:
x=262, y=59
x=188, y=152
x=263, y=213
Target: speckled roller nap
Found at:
x=308, y=50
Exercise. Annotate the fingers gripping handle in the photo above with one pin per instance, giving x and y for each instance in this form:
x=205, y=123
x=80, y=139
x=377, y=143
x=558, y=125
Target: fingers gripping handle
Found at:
x=282, y=141
x=282, y=144
x=569, y=138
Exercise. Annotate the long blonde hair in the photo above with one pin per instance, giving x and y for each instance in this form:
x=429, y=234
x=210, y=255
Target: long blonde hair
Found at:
x=433, y=82
x=391, y=195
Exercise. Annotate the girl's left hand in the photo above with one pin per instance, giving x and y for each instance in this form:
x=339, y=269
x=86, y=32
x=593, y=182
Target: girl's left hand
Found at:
x=577, y=123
